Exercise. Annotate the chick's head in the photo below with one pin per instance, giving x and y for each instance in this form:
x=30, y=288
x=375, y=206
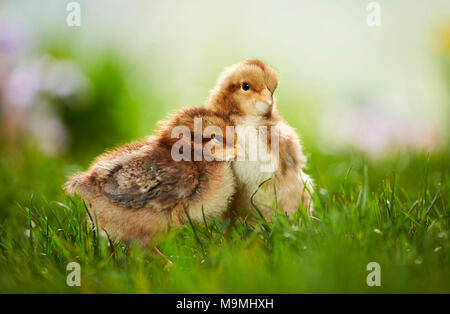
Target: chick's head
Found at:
x=199, y=134
x=222, y=149
x=245, y=88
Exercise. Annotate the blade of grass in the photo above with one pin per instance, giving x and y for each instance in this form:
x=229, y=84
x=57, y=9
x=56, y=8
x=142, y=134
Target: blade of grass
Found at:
x=194, y=231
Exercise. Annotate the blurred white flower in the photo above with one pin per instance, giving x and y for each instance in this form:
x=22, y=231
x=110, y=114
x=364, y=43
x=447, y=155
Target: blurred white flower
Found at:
x=378, y=231
x=378, y=129
x=49, y=131
x=61, y=77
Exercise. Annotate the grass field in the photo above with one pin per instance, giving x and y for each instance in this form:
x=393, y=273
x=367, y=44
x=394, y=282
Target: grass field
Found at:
x=394, y=212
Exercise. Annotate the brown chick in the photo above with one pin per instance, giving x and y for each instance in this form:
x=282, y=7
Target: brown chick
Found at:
x=138, y=190
x=244, y=93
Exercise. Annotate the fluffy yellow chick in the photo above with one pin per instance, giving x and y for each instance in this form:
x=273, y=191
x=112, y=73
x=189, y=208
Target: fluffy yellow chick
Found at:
x=138, y=190
x=244, y=93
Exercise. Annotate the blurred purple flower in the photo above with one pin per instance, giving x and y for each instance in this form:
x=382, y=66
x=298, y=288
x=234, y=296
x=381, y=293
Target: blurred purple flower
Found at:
x=27, y=89
x=27, y=92
x=22, y=86
x=14, y=36
x=378, y=131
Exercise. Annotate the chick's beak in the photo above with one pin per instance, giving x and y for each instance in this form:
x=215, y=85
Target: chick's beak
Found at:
x=266, y=97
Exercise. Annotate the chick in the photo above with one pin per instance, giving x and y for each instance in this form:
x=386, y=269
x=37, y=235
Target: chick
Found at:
x=138, y=191
x=244, y=93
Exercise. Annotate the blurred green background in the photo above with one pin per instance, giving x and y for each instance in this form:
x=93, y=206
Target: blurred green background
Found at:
x=357, y=95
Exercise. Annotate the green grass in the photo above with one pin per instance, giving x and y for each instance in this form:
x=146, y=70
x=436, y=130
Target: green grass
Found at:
x=393, y=212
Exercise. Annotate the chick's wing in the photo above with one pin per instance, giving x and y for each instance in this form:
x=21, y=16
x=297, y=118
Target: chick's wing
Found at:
x=146, y=182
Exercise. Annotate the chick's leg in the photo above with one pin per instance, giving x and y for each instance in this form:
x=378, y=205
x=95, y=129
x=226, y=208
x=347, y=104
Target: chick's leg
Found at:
x=168, y=261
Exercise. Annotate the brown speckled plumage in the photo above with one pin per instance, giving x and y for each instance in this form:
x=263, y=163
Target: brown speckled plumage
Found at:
x=137, y=191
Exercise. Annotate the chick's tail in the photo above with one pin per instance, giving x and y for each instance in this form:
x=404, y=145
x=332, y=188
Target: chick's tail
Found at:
x=77, y=184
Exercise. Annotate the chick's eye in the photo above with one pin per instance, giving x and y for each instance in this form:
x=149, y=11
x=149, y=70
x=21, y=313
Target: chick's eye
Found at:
x=218, y=139
x=245, y=86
